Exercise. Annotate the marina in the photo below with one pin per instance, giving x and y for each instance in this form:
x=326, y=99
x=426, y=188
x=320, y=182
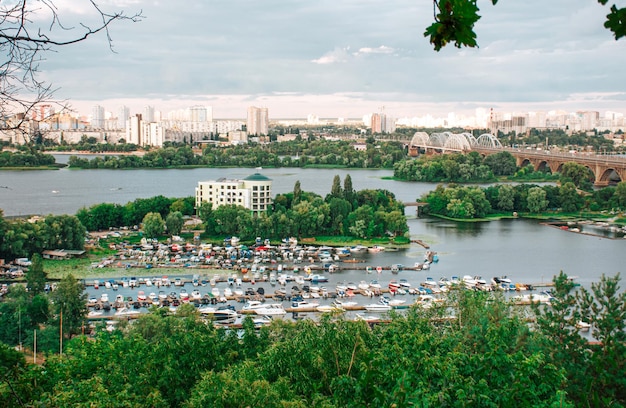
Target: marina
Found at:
x=289, y=281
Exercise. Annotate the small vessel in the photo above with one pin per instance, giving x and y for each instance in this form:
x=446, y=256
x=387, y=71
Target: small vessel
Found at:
x=124, y=311
x=377, y=308
x=219, y=314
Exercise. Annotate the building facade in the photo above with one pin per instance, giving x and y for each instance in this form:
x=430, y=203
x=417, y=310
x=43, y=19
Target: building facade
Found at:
x=257, y=121
x=254, y=192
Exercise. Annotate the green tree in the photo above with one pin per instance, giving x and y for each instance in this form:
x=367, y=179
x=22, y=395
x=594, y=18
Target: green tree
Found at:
x=605, y=307
x=174, y=223
x=455, y=19
x=501, y=164
x=580, y=175
x=36, y=278
x=620, y=194
x=153, y=225
x=336, y=191
x=506, y=198
x=537, y=200
x=297, y=192
x=70, y=304
x=570, y=199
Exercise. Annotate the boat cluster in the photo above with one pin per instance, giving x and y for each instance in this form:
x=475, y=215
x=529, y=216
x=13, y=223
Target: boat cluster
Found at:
x=230, y=255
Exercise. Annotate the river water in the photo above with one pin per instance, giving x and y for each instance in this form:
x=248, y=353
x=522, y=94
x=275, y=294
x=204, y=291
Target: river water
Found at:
x=524, y=250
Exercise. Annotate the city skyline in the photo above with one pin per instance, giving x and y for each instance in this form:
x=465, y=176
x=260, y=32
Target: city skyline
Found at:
x=342, y=59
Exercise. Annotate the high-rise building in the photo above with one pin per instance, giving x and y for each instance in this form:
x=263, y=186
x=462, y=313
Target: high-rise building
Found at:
x=201, y=114
x=97, y=117
x=148, y=115
x=258, y=121
x=122, y=117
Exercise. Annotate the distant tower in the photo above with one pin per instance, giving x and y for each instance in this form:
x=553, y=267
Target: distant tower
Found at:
x=97, y=117
x=122, y=117
x=257, y=121
x=148, y=114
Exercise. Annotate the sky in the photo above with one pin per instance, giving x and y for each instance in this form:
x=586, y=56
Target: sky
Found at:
x=339, y=58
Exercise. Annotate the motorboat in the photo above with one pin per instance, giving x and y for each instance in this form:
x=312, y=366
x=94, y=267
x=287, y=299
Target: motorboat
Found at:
x=260, y=308
x=126, y=312
x=377, y=307
x=304, y=304
x=394, y=303
x=219, y=314
x=330, y=309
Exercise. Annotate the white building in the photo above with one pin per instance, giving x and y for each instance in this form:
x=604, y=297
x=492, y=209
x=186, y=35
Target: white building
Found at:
x=97, y=117
x=254, y=192
x=258, y=121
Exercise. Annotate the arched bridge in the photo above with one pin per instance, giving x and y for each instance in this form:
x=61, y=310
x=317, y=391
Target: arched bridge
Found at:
x=603, y=167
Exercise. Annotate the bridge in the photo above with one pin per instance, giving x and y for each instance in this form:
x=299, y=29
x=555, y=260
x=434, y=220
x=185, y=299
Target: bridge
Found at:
x=605, y=168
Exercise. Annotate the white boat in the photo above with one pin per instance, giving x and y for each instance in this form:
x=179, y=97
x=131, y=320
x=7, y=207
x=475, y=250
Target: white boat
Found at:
x=124, y=311
x=304, y=304
x=366, y=318
x=358, y=249
x=94, y=313
x=260, y=308
x=262, y=320
x=394, y=303
x=583, y=326
x=363, y=285
x=374, y=284
x=104, y=297
x=345, y=304
x=215, y=292
x=228, y=292
x=319, y=278
x=330, y=309
x=527, y=299
x=271, y=309
x=221, y=315
x=375, y=249
x=377, y=307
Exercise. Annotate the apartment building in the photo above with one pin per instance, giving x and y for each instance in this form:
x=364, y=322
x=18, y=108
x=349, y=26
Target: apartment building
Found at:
x=254, y=192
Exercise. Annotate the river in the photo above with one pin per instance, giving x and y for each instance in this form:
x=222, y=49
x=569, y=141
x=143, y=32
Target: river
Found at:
x=524, y=250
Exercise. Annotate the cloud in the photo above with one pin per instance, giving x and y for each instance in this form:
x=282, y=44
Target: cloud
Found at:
x=334, y=56
x=339, y=55
x=379, y=50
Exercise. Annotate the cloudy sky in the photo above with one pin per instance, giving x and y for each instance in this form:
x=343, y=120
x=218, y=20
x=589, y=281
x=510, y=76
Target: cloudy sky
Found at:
x=340, y=58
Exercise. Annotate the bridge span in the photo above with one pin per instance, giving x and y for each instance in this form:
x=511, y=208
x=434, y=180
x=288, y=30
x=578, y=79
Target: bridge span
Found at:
x=603, y=167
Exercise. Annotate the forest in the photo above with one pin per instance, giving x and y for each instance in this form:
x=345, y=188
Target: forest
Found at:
x=474, y=349
x=297, y=153
x=467, y=202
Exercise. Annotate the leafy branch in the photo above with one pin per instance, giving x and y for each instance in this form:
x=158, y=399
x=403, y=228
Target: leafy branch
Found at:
x=454, y=22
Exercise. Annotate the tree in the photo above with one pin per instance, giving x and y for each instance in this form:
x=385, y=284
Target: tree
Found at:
x=537, y=199
x=153, y=225
x=336, y=191
x=620, y=194
x=297, y=192
x=455, y=19
x=174, y=222
x=501, y=164
x=580, y=175
x=28, y=31
x=70, y=303
x=506, y=198
x=570, y=199
x=605, y=307
x=36, y=277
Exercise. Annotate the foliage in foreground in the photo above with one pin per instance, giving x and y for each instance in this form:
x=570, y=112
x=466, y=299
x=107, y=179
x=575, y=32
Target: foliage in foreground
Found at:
x=486, y=355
